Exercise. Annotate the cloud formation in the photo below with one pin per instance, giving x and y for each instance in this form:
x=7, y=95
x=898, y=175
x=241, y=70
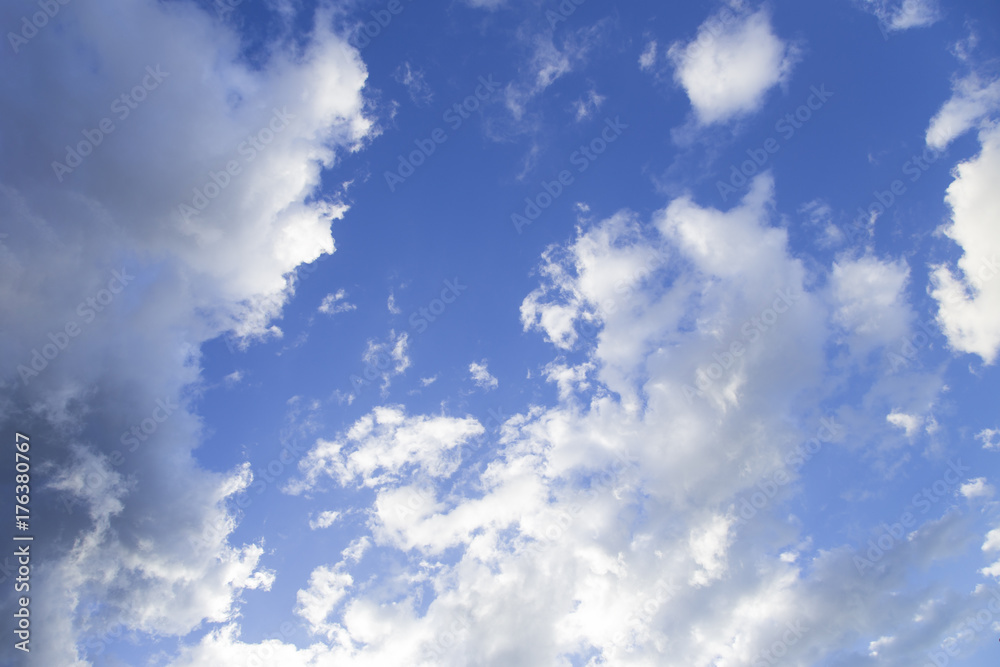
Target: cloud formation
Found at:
x=171, y=189
x=731, y=64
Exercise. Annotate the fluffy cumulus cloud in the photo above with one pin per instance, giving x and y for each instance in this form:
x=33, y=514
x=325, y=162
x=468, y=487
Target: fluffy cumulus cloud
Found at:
x=652, y=512
x=968, y=297
x=728, y=68
x=648, y=516
x=165, y=187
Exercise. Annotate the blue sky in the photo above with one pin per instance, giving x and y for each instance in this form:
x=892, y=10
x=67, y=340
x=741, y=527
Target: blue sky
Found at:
x=503, y=332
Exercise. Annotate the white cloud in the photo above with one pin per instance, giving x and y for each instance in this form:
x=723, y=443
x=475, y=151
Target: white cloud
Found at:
x=871, y=298
x=972, y=101
x=386, y=359
x=586, y=106
x=336, y=303
x=977, y=488
x=169, y=582
x=222, y=646
x=399, y=354
x=909, y=423
x=967, y=303
x=233, y=378
x=729, y=67
x=481, y=376
x=324, y=520
x=384, y=443
x=356, y=549
x=607, y=527
x=990, y=437
x=895, y=15
x=548, y=63
x=327, y=587
x=391, y=304
x=416, y=83
x=342, y=397
x=568, y=378
x=990, y=545
x=708, y=545
x=601, y=528
x=143, y=542
x=648, y=56
x=992, y=542
x=819, y=214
